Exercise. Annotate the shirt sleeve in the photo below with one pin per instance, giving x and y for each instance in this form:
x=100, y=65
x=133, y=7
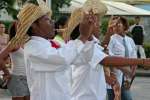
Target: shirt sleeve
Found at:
x=134, y=51
x=144, y=32
x=110, y=46
x=47, y=58
x=98, y=56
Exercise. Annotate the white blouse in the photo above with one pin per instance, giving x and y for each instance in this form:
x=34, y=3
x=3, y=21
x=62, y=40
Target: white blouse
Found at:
x=17, y=62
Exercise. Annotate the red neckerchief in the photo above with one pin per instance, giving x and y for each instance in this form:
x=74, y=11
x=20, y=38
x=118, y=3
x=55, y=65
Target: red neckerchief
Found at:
x=55, y=44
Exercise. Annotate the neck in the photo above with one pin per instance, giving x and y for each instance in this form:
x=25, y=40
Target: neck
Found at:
x=121, y=34
x=38, y=33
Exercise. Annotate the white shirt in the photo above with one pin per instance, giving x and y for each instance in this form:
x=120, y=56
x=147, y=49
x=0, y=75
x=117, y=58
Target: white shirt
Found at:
x=116, y=48
x=17, y=62
x=88, y=81
x=46, y=67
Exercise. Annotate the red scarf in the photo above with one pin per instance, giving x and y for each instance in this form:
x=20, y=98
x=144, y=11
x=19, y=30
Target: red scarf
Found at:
x=55, y=44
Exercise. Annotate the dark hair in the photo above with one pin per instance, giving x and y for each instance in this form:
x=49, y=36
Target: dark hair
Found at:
x=61, y=21
x=76, y=33
x=125, y=23
x=29, y=32
x=12, y=30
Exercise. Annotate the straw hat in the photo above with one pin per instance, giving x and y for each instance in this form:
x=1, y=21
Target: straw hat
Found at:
x=26, y=17
x=96, y=6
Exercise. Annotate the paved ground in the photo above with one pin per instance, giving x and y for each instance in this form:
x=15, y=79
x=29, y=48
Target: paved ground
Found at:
x=140, y=88
x=4, y=95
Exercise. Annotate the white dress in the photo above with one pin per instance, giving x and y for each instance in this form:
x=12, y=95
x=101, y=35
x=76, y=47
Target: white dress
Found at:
x=46, y=68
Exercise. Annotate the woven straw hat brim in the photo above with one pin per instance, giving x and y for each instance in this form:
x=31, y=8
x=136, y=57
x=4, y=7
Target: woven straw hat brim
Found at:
x=96, y=6
x=26, y=17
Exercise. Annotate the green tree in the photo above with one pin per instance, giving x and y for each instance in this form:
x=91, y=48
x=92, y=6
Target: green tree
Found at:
x=9, y=6
x=56, y=4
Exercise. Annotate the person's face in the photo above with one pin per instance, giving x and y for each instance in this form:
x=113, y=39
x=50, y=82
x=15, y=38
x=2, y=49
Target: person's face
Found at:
x=114, y=28
x=2, y=28
x=46, y=27
x=87, y=25
x=120, y=28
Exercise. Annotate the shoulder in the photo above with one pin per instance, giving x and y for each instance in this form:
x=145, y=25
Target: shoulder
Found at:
x=113, y=37
x=5, y=36
x=34, y=46
x=130, y=39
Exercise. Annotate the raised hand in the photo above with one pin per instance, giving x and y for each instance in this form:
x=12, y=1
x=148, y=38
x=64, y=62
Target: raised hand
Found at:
x=87, y=25
x=112, y=24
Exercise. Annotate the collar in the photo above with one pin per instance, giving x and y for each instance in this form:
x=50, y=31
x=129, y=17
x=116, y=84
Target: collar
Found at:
x=41, y=39
x=120, y=37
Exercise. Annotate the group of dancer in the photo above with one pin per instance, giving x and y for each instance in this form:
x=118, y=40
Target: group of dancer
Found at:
x=72, y=65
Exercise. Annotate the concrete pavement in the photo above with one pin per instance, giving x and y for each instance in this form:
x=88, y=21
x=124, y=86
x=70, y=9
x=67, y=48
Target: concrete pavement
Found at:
x=140, y=90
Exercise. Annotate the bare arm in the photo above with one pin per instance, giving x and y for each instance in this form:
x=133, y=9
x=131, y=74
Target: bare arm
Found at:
x=120, y=61
x=127, y=71
x=4, y=53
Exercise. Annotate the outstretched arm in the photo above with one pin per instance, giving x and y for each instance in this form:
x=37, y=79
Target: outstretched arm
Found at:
x=121, y=61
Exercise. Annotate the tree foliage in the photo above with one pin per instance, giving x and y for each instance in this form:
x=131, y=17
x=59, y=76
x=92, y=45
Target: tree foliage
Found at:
x=56, y=4
x=9, y=6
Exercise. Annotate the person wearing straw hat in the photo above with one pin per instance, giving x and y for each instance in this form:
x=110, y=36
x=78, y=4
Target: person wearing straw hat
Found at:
x=88, y=82
x=17, y=83
x=45, y=65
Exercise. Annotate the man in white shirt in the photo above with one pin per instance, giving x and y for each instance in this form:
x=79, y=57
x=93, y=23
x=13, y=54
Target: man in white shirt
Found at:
x=88, y=82
x=46, y=65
